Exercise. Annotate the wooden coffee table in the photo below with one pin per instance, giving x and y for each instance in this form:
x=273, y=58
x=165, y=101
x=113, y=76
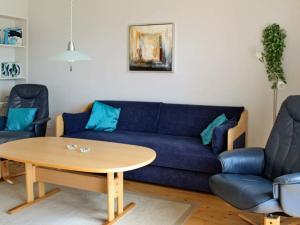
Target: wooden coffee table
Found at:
x=47, y=160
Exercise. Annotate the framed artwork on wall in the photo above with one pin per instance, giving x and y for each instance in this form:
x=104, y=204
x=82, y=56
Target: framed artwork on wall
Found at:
x=11, y=70
x=151, y=47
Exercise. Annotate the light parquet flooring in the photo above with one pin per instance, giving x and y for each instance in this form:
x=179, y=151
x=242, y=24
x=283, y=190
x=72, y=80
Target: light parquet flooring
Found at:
x=211, y=210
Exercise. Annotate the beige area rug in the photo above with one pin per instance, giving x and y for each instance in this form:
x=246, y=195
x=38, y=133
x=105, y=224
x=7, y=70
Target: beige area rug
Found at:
x=75, y=207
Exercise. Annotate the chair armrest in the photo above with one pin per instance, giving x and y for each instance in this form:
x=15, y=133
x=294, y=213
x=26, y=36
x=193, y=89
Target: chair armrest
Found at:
x=40, y=127
x=293, y=178
x=41, y=121
x=248, y=161
x=287, y=189
x=3, y=120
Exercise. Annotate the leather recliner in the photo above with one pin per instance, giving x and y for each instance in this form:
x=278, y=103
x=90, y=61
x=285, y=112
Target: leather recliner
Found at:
x=266, y=181
x=27, y=96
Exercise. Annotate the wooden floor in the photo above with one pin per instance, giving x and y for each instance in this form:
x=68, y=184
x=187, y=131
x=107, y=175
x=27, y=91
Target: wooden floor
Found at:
x=211, y=211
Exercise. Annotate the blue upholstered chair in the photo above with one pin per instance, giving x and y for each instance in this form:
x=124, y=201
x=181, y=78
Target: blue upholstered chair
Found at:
x=266, y=181
x=26, y=96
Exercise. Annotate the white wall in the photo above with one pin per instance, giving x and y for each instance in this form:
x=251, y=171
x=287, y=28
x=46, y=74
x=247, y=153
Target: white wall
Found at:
x=15, y=8
x=215, y=49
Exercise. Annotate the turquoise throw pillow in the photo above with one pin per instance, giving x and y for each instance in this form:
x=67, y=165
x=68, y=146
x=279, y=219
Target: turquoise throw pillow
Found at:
x=207, y=134
x=103, y=118
x=20, y=119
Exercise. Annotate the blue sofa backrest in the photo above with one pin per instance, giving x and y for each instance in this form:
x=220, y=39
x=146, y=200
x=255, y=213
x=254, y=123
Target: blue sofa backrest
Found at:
x=171, y=119
x=191, y=120
x=137, y=116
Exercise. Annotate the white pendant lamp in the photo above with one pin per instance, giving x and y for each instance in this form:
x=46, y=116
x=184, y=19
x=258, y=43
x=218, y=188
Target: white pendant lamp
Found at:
x=71, y=55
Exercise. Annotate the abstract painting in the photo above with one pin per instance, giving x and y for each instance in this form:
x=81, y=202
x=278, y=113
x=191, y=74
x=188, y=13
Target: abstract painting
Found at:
x=11, y=70
x=151, y=47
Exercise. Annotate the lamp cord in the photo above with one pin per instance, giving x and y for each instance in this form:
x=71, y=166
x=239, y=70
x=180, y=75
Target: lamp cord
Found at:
x=71, y=22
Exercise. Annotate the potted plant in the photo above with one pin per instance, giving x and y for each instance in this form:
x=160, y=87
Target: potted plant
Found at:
x=273, y=40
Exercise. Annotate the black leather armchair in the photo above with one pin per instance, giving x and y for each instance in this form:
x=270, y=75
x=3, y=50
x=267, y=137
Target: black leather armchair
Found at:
x=26, y=96
x=266, y=180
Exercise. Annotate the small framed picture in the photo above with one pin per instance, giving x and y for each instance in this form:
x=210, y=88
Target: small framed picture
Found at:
x=13, y=36
x=151, y=47
x=11, y=70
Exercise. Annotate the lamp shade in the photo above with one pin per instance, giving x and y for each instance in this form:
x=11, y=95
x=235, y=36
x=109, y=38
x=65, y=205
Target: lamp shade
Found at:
x=71, y=56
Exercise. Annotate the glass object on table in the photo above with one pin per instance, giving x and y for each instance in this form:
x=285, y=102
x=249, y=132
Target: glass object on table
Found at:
x=72, y=147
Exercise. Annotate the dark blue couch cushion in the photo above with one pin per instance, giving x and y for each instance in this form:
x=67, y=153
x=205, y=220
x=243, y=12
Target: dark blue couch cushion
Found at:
x=219, y=140
x=176, y=152
x=75, y=122
x=240, y=142
x=137, y=116
x=191, y=120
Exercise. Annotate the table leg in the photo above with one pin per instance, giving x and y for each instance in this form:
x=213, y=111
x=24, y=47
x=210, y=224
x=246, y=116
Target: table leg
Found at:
x=110, y=196
x=41, y=189
x=4, y=169
x=29, y=168
x=5, y=172
x=115, y=189
x=30, y=180
x=120, y=192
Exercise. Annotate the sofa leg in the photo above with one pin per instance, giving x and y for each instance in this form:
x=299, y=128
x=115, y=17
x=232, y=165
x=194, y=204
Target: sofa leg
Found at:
x=271, y=220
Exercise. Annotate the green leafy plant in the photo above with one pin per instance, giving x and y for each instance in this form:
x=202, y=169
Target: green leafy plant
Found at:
x=274, y=45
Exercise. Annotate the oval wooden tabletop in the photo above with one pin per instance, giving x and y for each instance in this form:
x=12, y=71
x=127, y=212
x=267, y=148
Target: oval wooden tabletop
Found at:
x=104, y=157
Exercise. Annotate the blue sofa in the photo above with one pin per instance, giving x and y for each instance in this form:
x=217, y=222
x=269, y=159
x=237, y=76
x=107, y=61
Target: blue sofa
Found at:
x=173, y=131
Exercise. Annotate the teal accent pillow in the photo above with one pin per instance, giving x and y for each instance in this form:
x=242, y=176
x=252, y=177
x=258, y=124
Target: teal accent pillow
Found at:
x=207, y=134
x=103, y=118
x=20, y=119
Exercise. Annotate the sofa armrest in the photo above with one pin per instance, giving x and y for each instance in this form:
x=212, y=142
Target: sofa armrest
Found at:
x=3, y=120
x=88, y=107
x=60, y=130
x=248, y=161
x=60, y=127
x=287, y=189
x=235, y=132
